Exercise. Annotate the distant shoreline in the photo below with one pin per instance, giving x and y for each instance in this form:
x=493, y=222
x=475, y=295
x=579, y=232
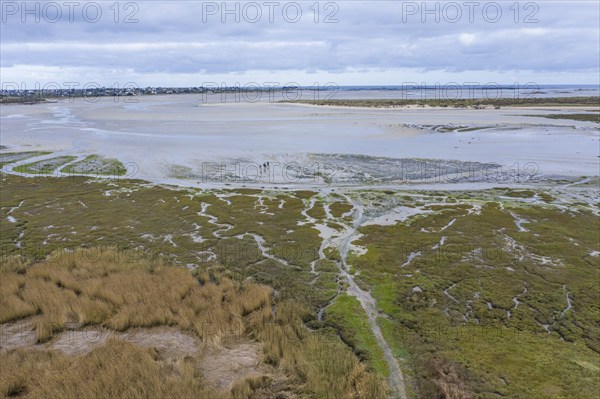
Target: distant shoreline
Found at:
x=449, y=95
x=456, y=103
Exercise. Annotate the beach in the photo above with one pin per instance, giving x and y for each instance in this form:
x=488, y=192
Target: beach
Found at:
x=180, y=138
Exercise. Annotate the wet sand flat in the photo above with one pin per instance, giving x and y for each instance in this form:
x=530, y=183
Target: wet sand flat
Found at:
x=160, y=133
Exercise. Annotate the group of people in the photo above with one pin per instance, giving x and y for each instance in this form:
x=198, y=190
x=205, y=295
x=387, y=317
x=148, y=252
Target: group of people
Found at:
x=263, y=168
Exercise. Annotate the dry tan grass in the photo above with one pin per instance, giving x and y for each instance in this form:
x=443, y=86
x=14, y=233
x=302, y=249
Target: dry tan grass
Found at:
x=121, y=291
x=326, y=367
x=115, y=370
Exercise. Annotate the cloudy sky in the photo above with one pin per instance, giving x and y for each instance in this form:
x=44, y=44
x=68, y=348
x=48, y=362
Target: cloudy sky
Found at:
x=188, y=43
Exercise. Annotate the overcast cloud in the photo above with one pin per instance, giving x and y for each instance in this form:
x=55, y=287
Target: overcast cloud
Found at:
x=187, y=43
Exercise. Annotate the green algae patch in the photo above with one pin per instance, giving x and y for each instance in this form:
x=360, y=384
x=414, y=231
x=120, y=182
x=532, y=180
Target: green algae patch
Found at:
x=96, y=165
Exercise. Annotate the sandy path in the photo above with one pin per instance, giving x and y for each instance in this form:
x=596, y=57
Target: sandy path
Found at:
x=343, y=242
x=396, y=378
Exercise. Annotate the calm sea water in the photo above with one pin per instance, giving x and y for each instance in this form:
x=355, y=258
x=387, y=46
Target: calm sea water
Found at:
x=443, y=91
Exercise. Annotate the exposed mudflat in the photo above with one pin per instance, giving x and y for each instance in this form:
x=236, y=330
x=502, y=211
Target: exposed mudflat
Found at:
x=169, y=342
x=226, y=364
x=186, y=141
x=220, y=365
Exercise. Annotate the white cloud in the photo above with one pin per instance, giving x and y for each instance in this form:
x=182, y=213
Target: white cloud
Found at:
x=466, y=39
x=371, y=42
